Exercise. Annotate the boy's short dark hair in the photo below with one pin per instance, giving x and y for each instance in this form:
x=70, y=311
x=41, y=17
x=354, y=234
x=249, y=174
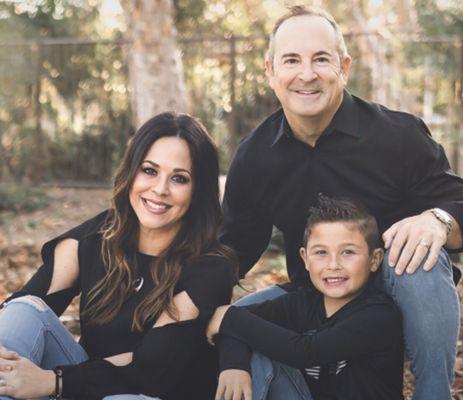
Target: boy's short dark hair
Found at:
x=343, y=210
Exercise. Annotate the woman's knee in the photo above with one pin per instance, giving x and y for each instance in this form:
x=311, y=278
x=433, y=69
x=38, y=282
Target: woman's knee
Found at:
x=36, y=302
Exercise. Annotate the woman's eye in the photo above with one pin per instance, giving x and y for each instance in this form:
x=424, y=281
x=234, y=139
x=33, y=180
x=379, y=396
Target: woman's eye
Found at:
x=180, y=179
x=149, y=170
x=320, y=252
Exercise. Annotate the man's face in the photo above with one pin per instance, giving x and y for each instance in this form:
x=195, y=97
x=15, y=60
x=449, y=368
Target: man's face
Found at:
x=307, y=74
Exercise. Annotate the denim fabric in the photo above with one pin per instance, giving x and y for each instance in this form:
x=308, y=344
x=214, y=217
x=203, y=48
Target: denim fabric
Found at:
x=29, y=327
x=431, y=316
x=272, y=380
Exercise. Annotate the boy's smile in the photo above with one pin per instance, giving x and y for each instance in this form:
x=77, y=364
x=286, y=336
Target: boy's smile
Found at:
x=339, y=262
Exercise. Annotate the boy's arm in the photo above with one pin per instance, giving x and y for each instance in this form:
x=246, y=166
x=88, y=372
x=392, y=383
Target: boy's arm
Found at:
x=372, y=329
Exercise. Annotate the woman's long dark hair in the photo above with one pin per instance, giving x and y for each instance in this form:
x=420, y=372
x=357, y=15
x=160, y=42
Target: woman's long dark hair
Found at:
x=198, y=234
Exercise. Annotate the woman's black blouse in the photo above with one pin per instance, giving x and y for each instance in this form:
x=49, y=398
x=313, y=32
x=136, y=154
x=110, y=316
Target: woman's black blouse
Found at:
x=172, y=362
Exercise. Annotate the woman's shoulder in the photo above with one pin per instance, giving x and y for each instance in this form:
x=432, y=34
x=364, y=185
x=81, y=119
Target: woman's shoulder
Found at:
x=85, y=230
x=208, y=280
x=209, y=265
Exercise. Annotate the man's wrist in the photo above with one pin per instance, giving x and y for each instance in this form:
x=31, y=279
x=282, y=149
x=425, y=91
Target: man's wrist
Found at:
x=442, y=216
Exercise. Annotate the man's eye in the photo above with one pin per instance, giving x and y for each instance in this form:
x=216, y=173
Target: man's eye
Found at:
x=180, y=179
x=322, y=60
x=290, y=61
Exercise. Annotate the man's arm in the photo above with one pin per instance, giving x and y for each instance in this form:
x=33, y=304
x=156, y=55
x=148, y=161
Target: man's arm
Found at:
x=429, y=182
x=244, y=229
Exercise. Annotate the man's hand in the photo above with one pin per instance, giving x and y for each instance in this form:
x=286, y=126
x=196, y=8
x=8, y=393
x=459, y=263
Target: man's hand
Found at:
x=412, y=239
x=234, y=384
x=22, y=379
x=214, y=323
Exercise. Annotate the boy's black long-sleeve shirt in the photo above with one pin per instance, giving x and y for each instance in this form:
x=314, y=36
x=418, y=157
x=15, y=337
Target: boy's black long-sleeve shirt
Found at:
x=356, y=354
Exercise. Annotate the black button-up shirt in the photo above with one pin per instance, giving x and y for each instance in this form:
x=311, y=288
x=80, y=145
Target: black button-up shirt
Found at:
x=384, y=159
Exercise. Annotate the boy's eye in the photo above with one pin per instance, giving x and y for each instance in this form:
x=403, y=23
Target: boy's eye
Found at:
x=348, y=251
x=180, y=179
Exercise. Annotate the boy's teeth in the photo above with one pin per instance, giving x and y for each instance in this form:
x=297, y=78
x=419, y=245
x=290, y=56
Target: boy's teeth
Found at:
x=334, y=280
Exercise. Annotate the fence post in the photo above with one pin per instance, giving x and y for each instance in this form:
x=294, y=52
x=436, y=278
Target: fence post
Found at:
x=36, y=172
x=232, y=122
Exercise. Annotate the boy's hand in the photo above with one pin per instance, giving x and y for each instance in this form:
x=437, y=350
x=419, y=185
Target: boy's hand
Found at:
x=214, y=323
x=234, y=384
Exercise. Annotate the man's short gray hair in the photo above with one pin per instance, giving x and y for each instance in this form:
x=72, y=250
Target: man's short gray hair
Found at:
x=298, y=11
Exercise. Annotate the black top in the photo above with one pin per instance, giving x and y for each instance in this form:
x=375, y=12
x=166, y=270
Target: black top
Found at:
x=173, y=361
x=384, y=159
x=356, y=354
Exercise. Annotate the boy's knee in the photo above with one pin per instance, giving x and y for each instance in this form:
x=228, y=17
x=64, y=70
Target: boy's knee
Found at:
x=33, y=301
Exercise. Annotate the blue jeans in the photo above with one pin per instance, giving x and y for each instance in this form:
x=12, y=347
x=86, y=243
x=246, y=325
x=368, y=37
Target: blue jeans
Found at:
x=431, y=316
x=29, y=327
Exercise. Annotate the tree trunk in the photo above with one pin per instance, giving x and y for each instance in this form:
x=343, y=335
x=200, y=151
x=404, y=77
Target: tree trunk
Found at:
x=155, y=65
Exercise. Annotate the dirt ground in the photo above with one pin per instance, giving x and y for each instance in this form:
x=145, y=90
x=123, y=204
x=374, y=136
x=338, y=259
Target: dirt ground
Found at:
x=21, y=236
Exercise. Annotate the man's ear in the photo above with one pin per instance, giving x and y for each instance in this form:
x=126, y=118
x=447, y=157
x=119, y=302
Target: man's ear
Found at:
x=269, y=70
x=376, y=258
x=345, y=68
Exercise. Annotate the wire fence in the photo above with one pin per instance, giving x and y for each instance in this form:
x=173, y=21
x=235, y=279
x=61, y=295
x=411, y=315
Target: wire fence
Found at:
x=65, y=111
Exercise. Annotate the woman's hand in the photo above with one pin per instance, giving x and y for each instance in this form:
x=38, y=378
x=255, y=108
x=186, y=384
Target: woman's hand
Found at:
x=234, y=384
x=214, y=324
x=21, y=378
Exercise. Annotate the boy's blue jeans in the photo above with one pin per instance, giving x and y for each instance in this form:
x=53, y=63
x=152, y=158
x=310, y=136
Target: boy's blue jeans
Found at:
x=431, y=316
x=29, y=327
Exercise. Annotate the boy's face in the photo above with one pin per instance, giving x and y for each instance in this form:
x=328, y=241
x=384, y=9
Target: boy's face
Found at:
x=338, y=260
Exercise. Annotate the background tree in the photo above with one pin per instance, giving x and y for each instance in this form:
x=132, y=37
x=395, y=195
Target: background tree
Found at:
x=155, y=65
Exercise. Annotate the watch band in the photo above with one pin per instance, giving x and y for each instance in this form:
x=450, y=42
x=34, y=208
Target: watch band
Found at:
x=444, y=217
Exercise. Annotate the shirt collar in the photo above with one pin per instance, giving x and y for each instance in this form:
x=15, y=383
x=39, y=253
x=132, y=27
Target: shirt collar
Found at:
x=345, y=120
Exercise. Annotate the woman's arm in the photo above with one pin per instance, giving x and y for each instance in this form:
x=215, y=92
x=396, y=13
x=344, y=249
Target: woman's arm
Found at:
x=186, y=311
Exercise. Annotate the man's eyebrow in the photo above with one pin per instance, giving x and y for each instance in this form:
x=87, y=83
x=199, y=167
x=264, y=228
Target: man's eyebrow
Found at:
x=322, y=53
x=290, y=55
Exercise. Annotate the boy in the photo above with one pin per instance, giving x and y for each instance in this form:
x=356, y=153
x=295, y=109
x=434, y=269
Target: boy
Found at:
x=344, y=336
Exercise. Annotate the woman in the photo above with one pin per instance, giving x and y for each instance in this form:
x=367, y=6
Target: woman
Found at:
x=150, y=271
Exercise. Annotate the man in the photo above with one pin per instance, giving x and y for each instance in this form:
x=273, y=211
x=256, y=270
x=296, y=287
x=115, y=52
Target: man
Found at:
x=325, y=140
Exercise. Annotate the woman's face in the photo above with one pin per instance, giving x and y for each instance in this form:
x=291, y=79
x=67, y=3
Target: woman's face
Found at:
x=161, y=192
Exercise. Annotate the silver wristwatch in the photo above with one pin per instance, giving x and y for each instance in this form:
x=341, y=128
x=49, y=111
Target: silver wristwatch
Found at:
x=444, y=217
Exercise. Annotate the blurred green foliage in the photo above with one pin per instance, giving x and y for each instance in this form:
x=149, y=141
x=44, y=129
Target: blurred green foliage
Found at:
x=22, y=197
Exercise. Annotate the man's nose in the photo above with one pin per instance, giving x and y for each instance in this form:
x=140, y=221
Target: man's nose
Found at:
x=307, y=72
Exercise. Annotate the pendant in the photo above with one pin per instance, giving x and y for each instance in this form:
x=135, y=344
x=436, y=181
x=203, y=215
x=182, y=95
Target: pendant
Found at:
x=138, y=283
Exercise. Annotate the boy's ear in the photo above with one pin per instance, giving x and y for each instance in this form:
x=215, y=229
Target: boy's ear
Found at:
x=376, y=258
x=303, y=255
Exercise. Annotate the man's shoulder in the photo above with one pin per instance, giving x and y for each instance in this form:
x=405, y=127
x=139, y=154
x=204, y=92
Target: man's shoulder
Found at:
x=265, y=132
x=381, y=114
